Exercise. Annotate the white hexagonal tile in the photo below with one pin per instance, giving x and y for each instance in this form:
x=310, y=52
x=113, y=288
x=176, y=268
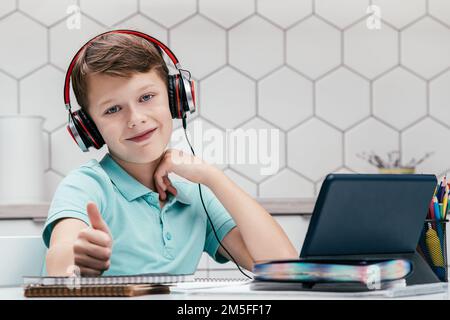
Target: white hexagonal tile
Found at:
x=51, y=182
x=440, y=9
x=46, y=143
x=7, y=6
x=285, y=98
x=22, y=35
x=421, y=139
x=360, y=140
x=245, y=184
x=440, y=97
x=46, y=11
x=399, y=98
x=207, y=140
x=8, y=92
x=314, y=149
x=66, y=155
x=64, y=42
x=227, y=13
x=109, y=12
x=341, y=13
x=258, y=150
x=232, y=106
x=342, y=98
x=168, y=12
x=400, y=12
x=313, y=47
x=284, y=12
x=46, y=98
x=199, y=45
x=249, y=50
x=286, y=184
x=362, y=49
x=143, y=24
x=425, y=47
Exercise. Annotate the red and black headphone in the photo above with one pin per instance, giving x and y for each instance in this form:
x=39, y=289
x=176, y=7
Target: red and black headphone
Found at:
x=181, y=93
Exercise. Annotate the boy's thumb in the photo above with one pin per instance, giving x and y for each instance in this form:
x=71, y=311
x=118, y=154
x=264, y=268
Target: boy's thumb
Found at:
x=96, y=219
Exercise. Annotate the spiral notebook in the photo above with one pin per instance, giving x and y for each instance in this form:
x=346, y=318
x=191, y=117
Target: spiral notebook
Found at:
x=123, y=290
x=147, y=278
x=112, y=286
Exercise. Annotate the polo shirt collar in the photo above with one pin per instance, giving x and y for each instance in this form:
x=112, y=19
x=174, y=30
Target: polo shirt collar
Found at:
x=132, y=189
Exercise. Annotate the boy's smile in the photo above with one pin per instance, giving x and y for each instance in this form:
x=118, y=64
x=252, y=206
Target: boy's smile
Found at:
x=143, y=136
x=132, y=114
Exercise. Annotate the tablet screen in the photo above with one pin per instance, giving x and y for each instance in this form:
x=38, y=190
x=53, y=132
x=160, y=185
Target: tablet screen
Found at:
x=368, y=214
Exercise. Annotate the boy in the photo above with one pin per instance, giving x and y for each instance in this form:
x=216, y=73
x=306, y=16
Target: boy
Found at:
x=123, y=215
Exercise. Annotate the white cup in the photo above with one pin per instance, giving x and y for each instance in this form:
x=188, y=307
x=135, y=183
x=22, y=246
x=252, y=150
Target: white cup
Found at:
x=21, y=159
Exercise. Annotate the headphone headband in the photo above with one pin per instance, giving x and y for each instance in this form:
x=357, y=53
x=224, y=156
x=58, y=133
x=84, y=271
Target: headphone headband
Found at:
x=161, y=45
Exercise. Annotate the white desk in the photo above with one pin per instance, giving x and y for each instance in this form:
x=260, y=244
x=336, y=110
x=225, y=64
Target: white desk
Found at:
x=234, y=291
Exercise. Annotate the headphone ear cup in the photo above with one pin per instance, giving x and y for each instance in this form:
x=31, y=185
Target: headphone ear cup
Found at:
x=78, y=133
x=172, y=98
x=90, y=130
x=182, y=94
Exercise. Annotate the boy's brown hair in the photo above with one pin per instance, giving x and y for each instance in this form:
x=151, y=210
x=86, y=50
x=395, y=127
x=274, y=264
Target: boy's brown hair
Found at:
x=118, y=55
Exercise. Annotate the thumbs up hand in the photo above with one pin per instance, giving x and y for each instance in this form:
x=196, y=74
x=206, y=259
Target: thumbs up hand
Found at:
x=93, y=247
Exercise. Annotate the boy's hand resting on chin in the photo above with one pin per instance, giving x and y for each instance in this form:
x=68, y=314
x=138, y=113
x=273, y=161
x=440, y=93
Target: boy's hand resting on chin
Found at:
x=185, y=165
x=92, y=249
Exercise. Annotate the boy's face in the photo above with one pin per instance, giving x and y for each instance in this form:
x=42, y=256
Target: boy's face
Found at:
x=124, y=107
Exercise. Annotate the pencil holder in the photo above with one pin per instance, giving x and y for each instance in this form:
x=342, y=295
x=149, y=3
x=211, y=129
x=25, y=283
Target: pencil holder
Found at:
x=433, y=246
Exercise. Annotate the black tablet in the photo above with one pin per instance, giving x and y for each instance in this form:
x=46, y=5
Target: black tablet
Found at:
x=368, y=214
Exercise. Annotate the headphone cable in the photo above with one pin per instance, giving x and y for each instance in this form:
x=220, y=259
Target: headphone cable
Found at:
x=206, y=211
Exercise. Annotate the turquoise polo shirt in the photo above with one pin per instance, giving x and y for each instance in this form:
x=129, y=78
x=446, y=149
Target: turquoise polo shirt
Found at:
x=146, y=238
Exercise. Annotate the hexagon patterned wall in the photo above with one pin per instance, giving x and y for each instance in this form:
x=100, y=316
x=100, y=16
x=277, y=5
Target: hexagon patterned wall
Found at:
x=313, y=69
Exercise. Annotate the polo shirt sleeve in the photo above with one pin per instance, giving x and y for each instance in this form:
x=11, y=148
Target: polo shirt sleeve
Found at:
x=71, y=197
x=222, y=221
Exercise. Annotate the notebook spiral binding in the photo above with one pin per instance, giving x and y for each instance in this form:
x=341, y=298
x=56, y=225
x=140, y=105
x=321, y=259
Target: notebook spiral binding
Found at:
x=219, y=279
x=107, y=280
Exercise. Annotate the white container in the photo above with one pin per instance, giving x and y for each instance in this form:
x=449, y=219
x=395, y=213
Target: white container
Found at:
x=21, y=159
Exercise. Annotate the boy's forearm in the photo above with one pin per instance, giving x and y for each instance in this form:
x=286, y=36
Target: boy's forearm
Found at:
x=59, y=259
x=263, y=236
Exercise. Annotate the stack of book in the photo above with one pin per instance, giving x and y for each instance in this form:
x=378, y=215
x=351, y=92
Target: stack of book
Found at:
x=331, y=275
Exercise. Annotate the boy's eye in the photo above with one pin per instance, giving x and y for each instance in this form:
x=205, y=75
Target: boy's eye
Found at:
x=111, y=109
x=146, y=97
